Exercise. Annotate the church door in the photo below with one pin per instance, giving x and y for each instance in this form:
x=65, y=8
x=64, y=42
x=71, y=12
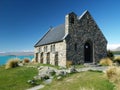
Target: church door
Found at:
x=88, y=52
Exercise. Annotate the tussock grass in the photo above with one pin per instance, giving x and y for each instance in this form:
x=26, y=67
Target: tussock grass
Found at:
x=106, y=62
x=117, y=60
x=68, y=64
x=12, y=63
x=113, y=74
x=33, y=60
x=26, y=60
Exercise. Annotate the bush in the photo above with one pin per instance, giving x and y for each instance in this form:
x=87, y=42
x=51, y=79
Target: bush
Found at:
x=26, y=60
x=12, y=63
x=117, y=60
x=106, y=62
x=110, y=55
x=33, y=60
x=113, y=74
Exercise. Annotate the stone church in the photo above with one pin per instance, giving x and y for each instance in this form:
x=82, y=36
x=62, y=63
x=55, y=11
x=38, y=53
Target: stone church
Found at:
x=79, y=41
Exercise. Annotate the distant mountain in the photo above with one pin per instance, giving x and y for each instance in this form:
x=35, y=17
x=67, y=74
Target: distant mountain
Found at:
x=16, y=53
x=117, y=49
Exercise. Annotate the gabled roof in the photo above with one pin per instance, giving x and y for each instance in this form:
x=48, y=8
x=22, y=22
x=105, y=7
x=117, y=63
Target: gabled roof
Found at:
x=53, y=35
x=56, y=34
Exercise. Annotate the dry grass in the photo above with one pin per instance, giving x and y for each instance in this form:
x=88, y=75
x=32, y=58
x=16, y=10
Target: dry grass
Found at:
x=33, y=60
x=68, y=64
x=106, y=62
x=113, y=74
x=12, y=63
x=117, y=60
x=26, y=60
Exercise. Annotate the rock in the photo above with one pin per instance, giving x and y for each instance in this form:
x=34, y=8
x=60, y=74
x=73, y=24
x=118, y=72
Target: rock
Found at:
x=44, y=76
x=20, y=64
x=59, y=77
x=72, y=70
x=39, y=68
x=48, y=81
x=61, y=73
x=50, y=72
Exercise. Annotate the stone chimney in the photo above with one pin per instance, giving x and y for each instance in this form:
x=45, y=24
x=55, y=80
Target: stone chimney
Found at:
x=70, y=20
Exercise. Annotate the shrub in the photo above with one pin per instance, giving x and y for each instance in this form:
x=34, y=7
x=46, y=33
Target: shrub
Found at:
x=68, y=64
x=110, y=55
x=117, y=60
x=33, y=60
x=26, y=60
x=12, y=63
x=113, y=74
x=106, y=62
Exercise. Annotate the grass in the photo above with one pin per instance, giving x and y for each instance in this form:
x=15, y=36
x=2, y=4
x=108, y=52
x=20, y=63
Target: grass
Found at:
x=113, y=74
x=82, y=81
x=16, y=78
x=106, y=62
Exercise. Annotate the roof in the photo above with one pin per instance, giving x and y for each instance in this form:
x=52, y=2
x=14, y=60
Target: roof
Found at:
x=53, y=35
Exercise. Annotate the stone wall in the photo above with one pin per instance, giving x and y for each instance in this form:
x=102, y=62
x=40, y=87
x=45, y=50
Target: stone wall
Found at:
x=82, y=30
x=60, y=51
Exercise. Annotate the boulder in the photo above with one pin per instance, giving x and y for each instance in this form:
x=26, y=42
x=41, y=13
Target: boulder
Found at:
x=72, y=70
x=61, y=73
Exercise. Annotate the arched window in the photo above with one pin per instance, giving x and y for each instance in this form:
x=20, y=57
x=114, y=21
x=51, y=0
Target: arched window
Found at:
x=75, y=47
x=45, y=48
x=53, y=48
x=72, y=20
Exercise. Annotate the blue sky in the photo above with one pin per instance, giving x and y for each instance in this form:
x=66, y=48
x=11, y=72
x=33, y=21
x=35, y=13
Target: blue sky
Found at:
x=24, y=22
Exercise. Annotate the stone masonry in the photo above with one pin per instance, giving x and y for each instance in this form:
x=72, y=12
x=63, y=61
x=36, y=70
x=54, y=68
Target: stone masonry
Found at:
x=83, y=42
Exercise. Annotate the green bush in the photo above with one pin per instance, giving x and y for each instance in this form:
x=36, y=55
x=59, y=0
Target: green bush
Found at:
x=110, y=55
x=12, y=63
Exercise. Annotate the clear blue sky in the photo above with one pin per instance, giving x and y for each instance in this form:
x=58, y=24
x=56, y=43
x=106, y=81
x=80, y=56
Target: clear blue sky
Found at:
x=24, y=22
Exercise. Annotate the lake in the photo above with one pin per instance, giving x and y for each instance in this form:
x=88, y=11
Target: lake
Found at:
x=4, y=59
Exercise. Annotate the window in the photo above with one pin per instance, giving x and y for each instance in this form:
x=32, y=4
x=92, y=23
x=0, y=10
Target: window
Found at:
x=75, y=46
x=72, y=20
x=52, y=48
x=40, y=49
x=45, y=48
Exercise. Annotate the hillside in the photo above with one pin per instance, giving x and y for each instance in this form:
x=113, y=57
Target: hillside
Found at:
x=17, y=53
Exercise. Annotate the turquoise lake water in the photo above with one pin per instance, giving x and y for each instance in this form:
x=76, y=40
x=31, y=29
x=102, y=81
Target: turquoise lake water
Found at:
x=4, y=59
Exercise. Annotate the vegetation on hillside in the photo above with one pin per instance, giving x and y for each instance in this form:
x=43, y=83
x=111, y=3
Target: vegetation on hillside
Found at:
x=16, y=78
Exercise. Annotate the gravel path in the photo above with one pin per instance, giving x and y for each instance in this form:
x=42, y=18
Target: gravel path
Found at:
x=103, y=68
x=36, y=87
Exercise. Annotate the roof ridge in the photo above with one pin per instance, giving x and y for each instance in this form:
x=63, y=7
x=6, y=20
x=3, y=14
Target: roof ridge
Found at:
x=83, y=14
x=43, y=36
